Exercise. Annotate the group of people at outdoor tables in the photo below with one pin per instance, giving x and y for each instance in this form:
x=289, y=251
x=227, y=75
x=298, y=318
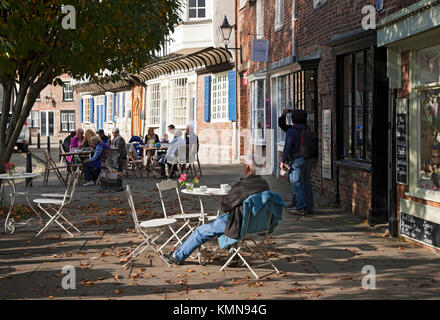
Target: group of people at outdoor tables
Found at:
x=88, y=141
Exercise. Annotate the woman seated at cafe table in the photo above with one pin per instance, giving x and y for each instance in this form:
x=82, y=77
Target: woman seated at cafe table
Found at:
x=76, y=142
x=87, y=138
x=92, y=167
x=151, y=137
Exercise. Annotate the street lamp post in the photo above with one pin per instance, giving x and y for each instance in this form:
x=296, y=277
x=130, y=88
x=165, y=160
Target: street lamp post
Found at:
x=226, y=30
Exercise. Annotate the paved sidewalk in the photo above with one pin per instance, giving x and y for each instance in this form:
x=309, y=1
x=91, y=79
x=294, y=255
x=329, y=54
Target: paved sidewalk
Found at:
x=321, y=256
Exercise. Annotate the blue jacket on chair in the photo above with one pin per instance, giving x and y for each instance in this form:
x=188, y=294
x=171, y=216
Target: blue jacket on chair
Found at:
x=260, y=205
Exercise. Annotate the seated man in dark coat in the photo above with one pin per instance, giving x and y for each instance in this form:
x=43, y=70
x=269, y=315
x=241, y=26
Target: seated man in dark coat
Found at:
x=228, y=223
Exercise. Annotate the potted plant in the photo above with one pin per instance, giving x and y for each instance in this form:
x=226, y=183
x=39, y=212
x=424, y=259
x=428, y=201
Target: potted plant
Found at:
x=183, y=180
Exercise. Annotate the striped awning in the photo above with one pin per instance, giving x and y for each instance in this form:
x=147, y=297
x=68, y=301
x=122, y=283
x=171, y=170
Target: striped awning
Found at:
x=173, y=63
x=176, y=63
x=94, y=88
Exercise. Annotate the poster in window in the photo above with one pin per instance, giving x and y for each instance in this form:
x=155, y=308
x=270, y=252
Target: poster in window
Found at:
x=401, y=142
x=326, y=152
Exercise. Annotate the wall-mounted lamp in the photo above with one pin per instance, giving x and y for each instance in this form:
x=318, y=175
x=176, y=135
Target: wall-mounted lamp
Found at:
x=226, y=30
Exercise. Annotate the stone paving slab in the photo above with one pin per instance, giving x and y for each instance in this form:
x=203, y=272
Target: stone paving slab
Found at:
x=321, y=256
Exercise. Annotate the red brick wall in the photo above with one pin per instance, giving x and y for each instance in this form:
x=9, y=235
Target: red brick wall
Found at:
x=57, y=106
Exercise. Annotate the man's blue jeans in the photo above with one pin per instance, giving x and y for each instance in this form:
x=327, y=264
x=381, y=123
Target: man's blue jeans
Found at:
x=91, y=170
x=200, y=236
x=300, y=170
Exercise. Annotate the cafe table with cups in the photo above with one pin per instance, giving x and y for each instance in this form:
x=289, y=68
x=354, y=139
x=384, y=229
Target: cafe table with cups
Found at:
x=204, y=191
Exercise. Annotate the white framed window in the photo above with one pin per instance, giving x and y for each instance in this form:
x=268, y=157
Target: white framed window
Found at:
x=179, y=101
x=219, y=97
x=86, y=110
x=67, y=121
x=279, y=12
x=260, y=19
x=67, y=91
x=35, y=119
x=258, y=114
x=196, y=9
x=110, y=107
x=154, y=104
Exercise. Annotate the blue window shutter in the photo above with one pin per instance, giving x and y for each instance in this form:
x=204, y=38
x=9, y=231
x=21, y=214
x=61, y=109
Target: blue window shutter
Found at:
x=119, y=112
x=114, y=107
x=81, y=110
x=105, y=108
x=207, y=98
x=123, y=104
x=231, y=78
x=92, y=110
x=98, y=117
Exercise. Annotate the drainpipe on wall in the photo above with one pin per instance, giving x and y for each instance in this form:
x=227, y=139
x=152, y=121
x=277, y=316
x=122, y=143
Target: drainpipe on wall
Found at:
x=235, y=132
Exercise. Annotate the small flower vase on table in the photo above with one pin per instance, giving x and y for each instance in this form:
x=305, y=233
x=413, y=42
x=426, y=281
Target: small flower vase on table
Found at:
x=10, y=168
x=183, y=180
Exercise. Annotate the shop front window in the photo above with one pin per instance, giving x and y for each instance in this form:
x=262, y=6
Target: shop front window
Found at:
x=428, y=66
x=258, y=120
x=429, y=140
x=357, y=104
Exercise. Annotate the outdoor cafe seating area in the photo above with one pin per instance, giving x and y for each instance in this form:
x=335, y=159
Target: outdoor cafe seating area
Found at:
x=156, y=235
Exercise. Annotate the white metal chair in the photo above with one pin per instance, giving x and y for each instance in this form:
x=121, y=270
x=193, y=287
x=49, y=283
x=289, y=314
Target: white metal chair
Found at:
x=159, y=226
x=190, y=220
x=58, y=206
x=178, y=161
x=258, y=247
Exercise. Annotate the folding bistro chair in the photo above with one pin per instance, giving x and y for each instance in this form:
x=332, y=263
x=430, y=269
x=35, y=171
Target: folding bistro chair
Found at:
x=191, y=157
x=54, y=204
x=179, y=160
x=191, y=220
x=51, y=166
x=157, y=227
x=252, y=228
x=133, y=163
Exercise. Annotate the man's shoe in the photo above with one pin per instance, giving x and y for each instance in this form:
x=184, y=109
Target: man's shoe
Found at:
x=169, y=259
x=90, y=183
x=300, y=212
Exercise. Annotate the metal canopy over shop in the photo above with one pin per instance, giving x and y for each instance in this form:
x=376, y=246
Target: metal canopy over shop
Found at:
x=95, y=88
x=175, y=63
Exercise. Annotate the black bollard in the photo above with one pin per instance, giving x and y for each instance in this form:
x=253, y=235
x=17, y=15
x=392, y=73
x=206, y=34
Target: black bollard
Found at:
x=38, y=141
x=30, y=138
x=29, y=168
x=60, y=150
x=48, y=144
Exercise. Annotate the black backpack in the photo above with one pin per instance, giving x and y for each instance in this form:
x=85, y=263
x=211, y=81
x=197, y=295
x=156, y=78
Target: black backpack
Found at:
x=309, y=144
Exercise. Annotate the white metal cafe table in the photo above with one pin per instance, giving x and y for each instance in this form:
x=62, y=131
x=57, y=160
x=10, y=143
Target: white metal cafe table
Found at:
x=216, y=192
x=12, y=180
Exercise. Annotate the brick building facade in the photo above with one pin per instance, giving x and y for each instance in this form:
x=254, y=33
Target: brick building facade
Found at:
x=55, y=113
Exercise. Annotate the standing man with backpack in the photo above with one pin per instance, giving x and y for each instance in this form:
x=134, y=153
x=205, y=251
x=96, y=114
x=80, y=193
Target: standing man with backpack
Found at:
x=300, y=148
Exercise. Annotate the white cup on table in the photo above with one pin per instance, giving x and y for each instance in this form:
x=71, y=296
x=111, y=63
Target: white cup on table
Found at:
x=203, y=188
x=225, y=187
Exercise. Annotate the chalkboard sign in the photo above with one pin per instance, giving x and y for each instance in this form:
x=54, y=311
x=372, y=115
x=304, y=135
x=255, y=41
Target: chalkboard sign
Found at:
x=422, y=230
x=402, y=142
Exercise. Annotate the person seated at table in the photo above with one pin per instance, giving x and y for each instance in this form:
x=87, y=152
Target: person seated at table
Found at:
x=137, y=142
x=230, y=222
x=77, y=140
x=151, y=137
x=92, y=167
x=190, y=136
x=88, y=138
x=103, y=137
x=119, y=143
x=67, y=141
x=171, y=128
x=171, y=153
x=164, y=139
x=76, y=143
